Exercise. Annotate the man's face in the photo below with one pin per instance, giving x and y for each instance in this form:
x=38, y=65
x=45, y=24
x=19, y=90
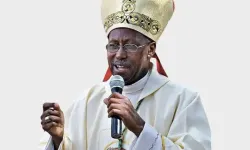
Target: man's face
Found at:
x=132, y=66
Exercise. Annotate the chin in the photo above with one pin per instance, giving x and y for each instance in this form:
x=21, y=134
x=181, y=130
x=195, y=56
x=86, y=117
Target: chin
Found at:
x=126, y=77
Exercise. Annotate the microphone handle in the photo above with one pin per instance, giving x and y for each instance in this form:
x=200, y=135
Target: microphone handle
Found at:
x=116, y=123
x=116, y=127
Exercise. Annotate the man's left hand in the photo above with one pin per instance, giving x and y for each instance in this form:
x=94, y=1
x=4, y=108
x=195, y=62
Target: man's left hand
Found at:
x=119, y=105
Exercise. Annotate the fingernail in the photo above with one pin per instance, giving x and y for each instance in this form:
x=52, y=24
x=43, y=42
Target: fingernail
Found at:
x=56, y=105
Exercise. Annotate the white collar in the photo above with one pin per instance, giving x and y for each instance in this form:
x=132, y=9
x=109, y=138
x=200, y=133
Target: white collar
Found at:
x=153, y=83
x=137, y=86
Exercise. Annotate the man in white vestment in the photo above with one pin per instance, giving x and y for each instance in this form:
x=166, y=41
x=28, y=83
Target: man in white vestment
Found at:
x=156, y=113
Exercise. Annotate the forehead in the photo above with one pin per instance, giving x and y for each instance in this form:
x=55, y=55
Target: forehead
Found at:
x=125, y=34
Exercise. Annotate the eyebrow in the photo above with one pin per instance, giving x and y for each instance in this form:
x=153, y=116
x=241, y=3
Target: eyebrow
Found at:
x=125, y=41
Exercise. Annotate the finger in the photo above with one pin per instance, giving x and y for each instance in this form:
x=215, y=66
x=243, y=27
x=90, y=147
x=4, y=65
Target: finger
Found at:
x=117, y=95
x=49, y=125
x=115, y=112
x=55, y=119
x=45, y=121
x=114, y=106
x=118, y=100
x=115, y=100
x=106, y=101
x=51, y=119
x=49, y=112
x=57, y=107
x=47, y=106
x=110, y=102
x=124, y=100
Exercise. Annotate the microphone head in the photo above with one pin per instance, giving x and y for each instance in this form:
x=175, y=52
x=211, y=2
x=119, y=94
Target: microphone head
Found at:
x=116, y=81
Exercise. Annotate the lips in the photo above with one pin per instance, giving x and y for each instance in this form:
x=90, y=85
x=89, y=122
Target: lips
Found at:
x=120, y=66
x=120, y=69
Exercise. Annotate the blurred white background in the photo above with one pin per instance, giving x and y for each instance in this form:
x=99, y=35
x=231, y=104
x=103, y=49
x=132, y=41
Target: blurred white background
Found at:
x=51, y=50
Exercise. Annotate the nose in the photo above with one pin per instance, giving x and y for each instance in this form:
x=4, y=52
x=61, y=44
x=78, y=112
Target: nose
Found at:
x=121, y=54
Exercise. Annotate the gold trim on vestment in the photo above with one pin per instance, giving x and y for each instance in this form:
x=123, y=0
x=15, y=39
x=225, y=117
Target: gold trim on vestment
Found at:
x=113, y=142
x=163, y=142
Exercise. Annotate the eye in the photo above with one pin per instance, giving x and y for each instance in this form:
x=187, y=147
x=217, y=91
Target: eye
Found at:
x=112, y=47
x=130, y=47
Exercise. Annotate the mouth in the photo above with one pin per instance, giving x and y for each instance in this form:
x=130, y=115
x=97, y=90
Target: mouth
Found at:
x=120, y=68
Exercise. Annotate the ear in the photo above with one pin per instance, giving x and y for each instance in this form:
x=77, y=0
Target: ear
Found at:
x=152, y=48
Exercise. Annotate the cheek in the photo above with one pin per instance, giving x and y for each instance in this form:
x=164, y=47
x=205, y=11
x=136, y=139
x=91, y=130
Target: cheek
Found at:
x=140, y=59
x=145, y=55
x=136, y=62
x=110, y=57
x=140, y=62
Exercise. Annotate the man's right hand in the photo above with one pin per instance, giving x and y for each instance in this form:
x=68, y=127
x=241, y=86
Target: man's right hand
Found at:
x=52, y=121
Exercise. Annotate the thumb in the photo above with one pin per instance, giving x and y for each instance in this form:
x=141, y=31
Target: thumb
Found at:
x=106, y=100
x=57, y=107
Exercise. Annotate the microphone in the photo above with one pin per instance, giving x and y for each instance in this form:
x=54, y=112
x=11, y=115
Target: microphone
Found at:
x=116, y=85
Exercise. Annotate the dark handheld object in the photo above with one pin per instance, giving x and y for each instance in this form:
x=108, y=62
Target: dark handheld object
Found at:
x=116, y=85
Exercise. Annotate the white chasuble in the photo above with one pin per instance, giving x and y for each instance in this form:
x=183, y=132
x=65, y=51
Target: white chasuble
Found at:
x=174, y=120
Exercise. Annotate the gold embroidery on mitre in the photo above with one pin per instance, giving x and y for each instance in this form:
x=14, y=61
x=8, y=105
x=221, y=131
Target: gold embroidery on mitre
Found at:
x=127, y=14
